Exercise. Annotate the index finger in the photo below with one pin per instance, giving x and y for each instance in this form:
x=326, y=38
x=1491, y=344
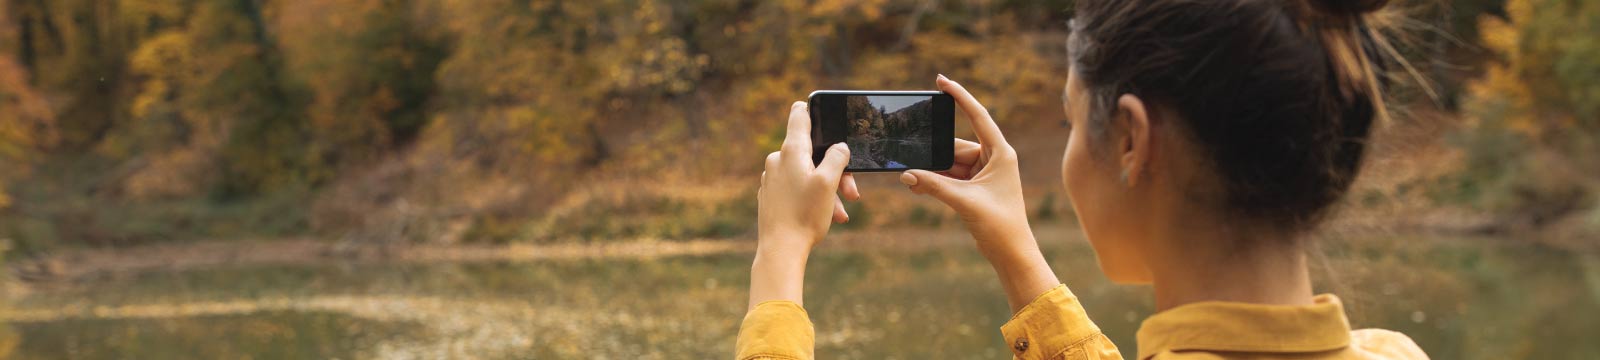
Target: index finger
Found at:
x=967, y=152
x=982, y=124
x=798, y=136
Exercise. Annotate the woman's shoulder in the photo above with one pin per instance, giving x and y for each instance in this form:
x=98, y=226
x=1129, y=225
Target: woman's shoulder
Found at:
x=1384, y=344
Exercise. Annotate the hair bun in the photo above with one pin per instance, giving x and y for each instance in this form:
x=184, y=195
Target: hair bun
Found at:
x=1349, y=7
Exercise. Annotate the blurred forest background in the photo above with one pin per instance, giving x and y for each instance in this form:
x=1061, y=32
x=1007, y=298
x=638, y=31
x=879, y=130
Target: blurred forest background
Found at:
x=126, y=122
x=178, y=172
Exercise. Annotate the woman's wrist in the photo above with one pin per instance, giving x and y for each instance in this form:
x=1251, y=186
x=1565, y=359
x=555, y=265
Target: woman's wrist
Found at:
x=1004, y=240
x=1020, y=266
x=778, y=274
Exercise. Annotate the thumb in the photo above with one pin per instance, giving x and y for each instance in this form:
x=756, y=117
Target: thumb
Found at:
x=834, y=162
x=926, y=182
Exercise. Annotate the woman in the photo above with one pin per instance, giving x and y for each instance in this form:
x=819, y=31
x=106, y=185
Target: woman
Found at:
x=1208, y=138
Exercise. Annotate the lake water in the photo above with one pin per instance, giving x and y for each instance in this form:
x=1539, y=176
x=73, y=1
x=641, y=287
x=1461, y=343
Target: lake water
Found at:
x=887, y=153
x=1458, y=298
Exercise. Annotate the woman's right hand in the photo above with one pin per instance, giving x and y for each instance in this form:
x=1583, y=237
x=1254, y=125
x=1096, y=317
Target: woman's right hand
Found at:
x=984, y=187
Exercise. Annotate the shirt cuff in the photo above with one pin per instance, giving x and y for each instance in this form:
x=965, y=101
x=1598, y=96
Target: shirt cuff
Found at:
x=776, y=330
x=1052, y=323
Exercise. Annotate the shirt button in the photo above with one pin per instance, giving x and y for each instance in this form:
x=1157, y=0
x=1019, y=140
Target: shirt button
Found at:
x=1021, y=345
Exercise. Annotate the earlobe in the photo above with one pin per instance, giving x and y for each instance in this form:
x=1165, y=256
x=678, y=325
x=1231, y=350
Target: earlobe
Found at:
x=1136, y=151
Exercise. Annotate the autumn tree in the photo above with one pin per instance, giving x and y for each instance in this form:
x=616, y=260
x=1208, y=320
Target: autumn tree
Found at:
x=1533, y=119
x=26, y=119
x=74, y=51
x=367, y=67
x=208, y=94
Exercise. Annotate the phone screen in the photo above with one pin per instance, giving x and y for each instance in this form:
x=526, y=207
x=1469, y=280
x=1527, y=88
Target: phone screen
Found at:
x=886, y=131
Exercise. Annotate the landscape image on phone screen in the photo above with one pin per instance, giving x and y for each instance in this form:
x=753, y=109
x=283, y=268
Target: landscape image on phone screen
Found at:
x=889, y=132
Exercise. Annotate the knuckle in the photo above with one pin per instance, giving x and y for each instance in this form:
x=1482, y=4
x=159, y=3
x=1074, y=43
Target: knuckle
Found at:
x=1005, y=152
x=818, y=179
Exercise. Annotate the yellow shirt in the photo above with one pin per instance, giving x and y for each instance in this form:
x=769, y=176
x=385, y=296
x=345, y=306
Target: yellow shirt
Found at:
x=1054, y=326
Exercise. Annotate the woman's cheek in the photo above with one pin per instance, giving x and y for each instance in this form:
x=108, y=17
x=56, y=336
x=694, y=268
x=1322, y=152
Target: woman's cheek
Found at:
x=1076, y=176
x=1091, y=202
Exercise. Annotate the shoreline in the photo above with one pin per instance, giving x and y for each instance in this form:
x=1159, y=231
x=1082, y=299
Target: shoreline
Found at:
x=73, y=264
x=70, y=265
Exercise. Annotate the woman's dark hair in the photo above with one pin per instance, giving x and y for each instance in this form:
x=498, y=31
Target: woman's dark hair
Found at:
x=1279, y=94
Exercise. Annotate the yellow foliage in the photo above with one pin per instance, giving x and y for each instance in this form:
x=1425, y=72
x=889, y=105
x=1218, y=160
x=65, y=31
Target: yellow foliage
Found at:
x=317, y=90
x=867, y=10
x=164, y=59
x=1528, y=90
x=194, y=87
x=1501, y=83
x=27, y=123
x=146, y=11
x=358, y=77
x=1519, y=11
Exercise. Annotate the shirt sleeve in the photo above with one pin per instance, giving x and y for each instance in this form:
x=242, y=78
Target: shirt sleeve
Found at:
x=1054, y=326
x=776, y=330
x=1385, y=344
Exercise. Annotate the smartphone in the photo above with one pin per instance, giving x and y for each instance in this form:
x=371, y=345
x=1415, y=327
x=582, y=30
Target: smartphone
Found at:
x=885, y=130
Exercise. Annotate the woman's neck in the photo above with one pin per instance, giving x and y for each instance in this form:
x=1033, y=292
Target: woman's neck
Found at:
x=1199, y=266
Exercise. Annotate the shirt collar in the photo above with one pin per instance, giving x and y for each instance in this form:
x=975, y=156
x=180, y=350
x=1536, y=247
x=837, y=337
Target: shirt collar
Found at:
x=1242, y=327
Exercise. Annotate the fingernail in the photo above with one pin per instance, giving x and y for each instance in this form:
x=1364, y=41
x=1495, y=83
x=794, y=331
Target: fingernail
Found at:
x=797, y=105
x=908, y=179
x=842, y=147
x=941, y=76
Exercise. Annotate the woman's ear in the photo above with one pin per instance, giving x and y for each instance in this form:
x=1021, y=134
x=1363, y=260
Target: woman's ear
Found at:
x=1135, y=148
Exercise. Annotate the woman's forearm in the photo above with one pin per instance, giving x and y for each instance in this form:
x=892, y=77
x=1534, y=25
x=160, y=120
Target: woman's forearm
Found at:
x=1022, y=269
x=778, y=275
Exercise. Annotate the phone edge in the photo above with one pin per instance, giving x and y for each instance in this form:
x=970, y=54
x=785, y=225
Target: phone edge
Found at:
x=811, y=98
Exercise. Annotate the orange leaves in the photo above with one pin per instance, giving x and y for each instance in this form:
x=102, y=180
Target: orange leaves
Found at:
x=663, y=64
x=1503, y=95
x=367, y=67
x=164, y=62
x=26, y=118
x=866, y=10
x=26, y=123
x=1545, y=79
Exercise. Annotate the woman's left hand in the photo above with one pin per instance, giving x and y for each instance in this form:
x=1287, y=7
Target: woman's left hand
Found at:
x=796, y=204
